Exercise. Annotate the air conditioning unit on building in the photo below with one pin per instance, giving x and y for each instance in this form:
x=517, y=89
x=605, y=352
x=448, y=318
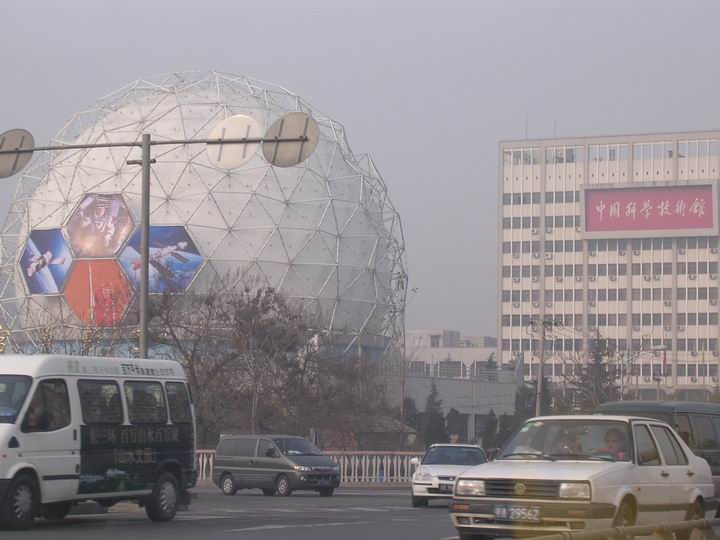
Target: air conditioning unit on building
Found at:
x=668, y=328
x=592, y=304
x=516, y=255
x=656, y=354
x=516, y=304
x=693, y=379
x=646, y=278
x=516, y=280
x=636, y=252
x=578, y=278
x=636, y=328
x=536, y=304
x=693, y=353
x=578, y=229
x=535, y=278
x=713, y=276
x=713, y=250
x=591, y=278
x=535, y=231
x=646, y=379
x=623, y=253
x=681, y=251
x=692, y=277
x=548, y=256
x=548, y=230
x=558, y=279
x=592, y=253
x=613, y=278
x=714, y=379
x=681, y=328
x=548, y=304
x=668, y=303
x=715, y=353
x=536, y=255
x=713, y=301
x=656, y=278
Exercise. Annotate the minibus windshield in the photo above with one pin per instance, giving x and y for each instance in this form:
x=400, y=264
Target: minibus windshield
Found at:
x=13, y=389
x=297, y=446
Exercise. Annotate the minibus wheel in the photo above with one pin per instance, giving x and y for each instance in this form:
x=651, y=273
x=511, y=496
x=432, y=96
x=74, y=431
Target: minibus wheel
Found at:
x=162, y=505
x=282, y=486
x=56, y=511
x=227, y=484
x=21, y=503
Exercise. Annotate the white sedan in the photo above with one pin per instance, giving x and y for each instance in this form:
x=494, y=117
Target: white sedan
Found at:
x=435, y=475
x=573, y=473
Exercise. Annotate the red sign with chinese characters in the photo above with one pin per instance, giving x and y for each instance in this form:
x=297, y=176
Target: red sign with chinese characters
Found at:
x=649, y=209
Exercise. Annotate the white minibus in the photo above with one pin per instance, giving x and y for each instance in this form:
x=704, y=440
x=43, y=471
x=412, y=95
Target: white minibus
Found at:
x=104, y=429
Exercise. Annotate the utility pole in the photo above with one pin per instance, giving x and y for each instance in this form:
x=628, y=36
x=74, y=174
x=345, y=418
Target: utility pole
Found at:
x=544, y=324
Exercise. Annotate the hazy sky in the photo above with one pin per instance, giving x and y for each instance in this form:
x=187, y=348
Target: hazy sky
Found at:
x=428, y=88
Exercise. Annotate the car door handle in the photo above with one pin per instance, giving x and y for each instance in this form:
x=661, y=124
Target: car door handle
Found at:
x=690, y=473
x=664, y=474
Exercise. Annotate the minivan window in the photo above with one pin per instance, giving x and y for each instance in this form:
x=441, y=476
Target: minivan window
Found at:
x=263, y=447
x=100, y=402
x=13, y=389
x=49, y=408
x=146, y=402
x=682, y=425
x=179, y=403
x=297, y=446
x=245, y=447
x=704, y=432
x=225, y=448
x=669, y=447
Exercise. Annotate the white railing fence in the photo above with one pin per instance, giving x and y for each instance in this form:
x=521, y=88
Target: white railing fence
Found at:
x=355, y=467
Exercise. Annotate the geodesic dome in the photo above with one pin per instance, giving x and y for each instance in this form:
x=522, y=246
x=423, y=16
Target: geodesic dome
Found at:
x=323, y=232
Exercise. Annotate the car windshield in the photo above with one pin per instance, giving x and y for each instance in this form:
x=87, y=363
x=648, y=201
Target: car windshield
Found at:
x=13, y=389
x=454, y=455
x=570, y=439
x=297, y=446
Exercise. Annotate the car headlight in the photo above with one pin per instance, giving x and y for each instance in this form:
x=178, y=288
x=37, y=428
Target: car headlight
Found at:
x=474, y=488
x=421, y=475
x=574, y=490
x=302, y=468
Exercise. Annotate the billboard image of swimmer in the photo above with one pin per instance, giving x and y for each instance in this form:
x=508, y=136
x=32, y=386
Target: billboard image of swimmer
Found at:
x=99, y=225
x=46, y=261
x=98, y=292
x=174, y=259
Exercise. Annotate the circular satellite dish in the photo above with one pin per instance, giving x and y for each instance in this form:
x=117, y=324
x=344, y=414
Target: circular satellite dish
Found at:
x=15, y=139
x=291, y=126
x=233, y=155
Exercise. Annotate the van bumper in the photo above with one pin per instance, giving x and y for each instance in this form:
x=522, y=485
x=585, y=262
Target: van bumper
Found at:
x=302, y=480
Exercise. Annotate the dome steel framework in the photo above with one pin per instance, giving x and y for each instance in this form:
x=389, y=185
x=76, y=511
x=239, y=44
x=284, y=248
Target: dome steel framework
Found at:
x=324, y=232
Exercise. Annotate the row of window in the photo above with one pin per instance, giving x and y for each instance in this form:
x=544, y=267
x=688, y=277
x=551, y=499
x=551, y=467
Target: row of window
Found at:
x=559, y=369
x=100, y=403
x=535, y=197
x=602, y=295
x=620, y=319
x=696, y=345
x=612, y=269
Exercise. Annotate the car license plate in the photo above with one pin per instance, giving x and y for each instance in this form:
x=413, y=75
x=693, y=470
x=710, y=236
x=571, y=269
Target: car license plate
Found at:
x=445, y=488
x=513, y=512
x=324, y=482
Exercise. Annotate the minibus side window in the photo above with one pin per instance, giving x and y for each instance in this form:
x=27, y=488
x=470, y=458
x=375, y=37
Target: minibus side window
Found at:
x=704, y=432
x=146, y=402
x=179, y=403
x=100, y=402
x=49, y=408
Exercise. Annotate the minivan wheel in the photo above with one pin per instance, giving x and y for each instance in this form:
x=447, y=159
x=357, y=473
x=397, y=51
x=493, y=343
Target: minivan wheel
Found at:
x=326, y=492
x=56, y=511
x=227, y=484
x=21, y=503
x=269, y=492
x=282, y=486
x=162, y=505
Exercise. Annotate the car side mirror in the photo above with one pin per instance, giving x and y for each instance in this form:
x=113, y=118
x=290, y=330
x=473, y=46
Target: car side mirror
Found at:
x=415, y=462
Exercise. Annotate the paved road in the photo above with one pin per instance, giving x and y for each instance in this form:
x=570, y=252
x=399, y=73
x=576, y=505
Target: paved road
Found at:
x=349, y=515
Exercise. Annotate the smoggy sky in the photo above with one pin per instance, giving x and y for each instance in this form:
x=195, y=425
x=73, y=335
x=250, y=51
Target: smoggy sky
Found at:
x=428, y=88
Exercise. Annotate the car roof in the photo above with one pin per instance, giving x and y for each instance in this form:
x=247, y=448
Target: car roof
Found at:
x=631, y=407
x=594, y=417
x=258, y=435
x=459, y=445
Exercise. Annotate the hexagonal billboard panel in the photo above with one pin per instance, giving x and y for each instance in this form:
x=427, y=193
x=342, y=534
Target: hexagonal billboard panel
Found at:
x=99, y=225
x=98, y=292
x=45, y=261
x=174, y=259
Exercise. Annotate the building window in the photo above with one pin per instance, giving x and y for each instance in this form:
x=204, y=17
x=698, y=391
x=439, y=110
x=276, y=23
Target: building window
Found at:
x=435, y=341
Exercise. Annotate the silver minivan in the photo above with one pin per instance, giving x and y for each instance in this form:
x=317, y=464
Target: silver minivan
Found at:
x=273, y=463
